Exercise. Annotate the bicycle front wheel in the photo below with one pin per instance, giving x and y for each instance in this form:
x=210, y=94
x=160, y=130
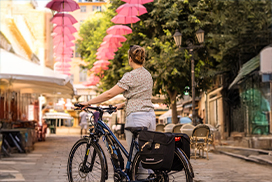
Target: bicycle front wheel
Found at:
x=141, y=174
x=92, y=171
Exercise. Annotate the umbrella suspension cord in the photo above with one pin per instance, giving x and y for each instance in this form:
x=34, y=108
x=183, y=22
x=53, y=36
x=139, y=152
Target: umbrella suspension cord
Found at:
x=63, y=43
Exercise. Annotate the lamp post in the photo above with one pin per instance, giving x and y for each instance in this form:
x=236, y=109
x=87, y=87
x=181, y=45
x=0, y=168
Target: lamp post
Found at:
x=178, y=39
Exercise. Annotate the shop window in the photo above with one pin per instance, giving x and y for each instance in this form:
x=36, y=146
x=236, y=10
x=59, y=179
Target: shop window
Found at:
x=97, y=8
x=83, y=9
x=77, y=54
x=83, y=75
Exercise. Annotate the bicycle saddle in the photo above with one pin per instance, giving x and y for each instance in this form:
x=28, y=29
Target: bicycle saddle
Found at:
x=135, y=130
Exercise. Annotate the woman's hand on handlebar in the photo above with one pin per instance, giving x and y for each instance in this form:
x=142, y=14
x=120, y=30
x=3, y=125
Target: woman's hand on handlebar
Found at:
x=119, y=106
x=85, y=104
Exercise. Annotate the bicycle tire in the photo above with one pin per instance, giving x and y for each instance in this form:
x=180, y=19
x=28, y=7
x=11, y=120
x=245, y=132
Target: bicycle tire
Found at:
x=80, y=147
x=180, y=176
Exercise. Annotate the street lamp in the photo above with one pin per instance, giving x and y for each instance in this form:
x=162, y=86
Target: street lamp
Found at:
x=178, y=39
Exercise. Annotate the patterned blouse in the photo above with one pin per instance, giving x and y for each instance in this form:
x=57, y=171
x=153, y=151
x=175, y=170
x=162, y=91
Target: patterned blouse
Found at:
x=138, y=90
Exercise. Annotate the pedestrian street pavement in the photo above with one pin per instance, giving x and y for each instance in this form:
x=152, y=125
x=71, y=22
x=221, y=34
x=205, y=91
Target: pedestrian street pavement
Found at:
x=48, y=163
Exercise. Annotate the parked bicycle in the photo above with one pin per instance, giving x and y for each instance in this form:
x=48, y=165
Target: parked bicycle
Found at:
x=87, y=160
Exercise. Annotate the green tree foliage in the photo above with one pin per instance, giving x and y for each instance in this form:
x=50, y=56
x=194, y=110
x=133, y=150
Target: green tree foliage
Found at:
x=169, y=66
x=235, y=31
x=92, y=32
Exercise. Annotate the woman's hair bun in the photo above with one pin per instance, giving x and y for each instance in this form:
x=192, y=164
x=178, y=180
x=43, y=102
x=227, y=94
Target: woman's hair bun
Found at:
x=138, y=54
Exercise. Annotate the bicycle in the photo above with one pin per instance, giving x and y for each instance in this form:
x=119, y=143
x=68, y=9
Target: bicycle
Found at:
x=87, y=160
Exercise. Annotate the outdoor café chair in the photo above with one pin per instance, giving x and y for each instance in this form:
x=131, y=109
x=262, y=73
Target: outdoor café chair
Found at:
x=169, y=127
x=200, y=139
x=177, y=127
x=160, y=127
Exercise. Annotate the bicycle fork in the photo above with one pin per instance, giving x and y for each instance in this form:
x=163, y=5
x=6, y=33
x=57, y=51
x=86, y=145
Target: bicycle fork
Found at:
x=84, y=168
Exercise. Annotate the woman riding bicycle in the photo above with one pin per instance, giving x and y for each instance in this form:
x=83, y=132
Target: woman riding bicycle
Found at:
x=136, y=87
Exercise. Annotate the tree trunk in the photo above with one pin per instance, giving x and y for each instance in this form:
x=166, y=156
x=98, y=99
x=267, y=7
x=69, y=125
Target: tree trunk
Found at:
x=173, y=105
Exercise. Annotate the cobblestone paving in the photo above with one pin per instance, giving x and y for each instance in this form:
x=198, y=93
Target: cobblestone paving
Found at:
x=47, y=163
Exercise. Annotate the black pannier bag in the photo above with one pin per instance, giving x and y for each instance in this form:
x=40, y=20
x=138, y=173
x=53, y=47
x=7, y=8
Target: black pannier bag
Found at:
x=156, y=150
x=183, y=143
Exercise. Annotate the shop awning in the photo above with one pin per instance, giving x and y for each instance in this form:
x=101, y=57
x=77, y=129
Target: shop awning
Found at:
x=18, y=73
x=246, y=69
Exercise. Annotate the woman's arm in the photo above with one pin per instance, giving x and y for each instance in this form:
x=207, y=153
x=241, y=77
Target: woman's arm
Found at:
x=105, y=96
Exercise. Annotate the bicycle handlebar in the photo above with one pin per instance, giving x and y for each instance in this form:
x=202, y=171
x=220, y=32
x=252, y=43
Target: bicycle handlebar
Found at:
x=109, y=109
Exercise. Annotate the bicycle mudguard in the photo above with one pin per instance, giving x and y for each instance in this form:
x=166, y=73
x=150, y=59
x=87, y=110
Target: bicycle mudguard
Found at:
x=187, y=161
x=105, y=160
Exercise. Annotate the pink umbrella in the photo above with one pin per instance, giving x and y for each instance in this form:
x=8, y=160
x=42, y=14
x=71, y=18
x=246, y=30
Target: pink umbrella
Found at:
x=131, y=10
x=104, y=53
x=101, y=63
x=63, y=59
x=68, y=37
x=67, y=29
x=62, y=65
x=65, y=44
x=91, y=83
x=62, y=41
x=122, y=19
x=63, y=50
x=92, y=80
x=67, y=55
x=106, y=44
x=62, y=5
x=119, y=30
x=104, y=57
x=98, y=69
x=106, y=49
x=137, y=1
x=114, y=38
x=63, y=19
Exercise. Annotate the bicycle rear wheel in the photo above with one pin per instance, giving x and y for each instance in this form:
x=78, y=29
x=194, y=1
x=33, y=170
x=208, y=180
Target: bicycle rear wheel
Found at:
x=140, y=174
x=75, y=169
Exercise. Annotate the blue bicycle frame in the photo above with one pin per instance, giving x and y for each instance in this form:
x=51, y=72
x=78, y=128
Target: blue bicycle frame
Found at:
x=113, y=145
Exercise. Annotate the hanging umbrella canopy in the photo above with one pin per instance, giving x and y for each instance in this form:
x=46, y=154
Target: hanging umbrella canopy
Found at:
x=101, y=63
x=105, y=57
x=137, y=1
x=92, y=80
x=63, y=59
x=107, y=44
x=98, y=69
x=63, y=5
x=63, y=19
x=61, y=42
x=131, y=10
x=122, y=19
x=106, y=49
x=63, y=50
x=62, y=65
x=114, y=38
x=64, y=36
x=64, y=44
x=119, y=30
x=67, y=29
x=68, y=55
x=104, y=53
x=62, y=56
